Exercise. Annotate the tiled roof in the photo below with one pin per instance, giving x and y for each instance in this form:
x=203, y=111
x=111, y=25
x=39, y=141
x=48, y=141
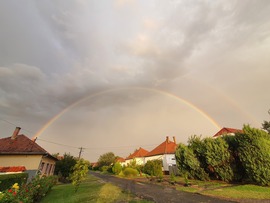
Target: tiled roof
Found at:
x=166, y=147
x=20, y=145
x=120, y=159
x=138, y=153
x=12, y=169
x=225, y=131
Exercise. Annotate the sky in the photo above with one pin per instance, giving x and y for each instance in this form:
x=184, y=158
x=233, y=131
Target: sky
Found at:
x=122, y=74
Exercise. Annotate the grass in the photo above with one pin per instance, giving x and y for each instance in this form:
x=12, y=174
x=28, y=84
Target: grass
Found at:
x=91, y=190
x=241, y=192
x=225, y=190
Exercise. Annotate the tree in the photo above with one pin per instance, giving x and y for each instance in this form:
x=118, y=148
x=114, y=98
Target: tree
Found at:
x=64, y=167
x=266, y=124
x=80, y=171
x=217, y=156
x=188, y=164
x=253, y=151
x=106, y=159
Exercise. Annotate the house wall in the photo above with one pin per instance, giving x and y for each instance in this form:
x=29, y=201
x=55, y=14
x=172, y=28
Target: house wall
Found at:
x=167, y=160
x=139, y=161
x=47, y=166
x=31, y=162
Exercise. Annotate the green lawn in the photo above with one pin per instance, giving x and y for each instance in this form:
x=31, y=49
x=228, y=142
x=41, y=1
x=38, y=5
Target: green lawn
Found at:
x=91, y=190
x=225, y=190
x=241, y=192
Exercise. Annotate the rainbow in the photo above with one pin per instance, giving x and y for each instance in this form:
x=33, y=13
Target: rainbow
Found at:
x=189, y=104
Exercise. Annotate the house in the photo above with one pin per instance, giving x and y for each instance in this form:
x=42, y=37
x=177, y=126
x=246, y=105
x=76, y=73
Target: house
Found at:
x=164, y=152
x=138, y=156
x=227, y=131
x=19, y=150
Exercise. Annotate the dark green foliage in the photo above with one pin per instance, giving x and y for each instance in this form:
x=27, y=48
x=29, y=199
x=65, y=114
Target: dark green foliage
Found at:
x=188, y=164
x=239, y=173
x=64, y=167
x=106, y=159
x=217, y=157
x=130, y=172
x=153, y=168
x=254, y=153
x=7, y=180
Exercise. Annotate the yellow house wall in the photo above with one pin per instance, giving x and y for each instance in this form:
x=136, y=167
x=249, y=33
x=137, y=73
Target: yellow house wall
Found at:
x=47, y=166
x=31, y=162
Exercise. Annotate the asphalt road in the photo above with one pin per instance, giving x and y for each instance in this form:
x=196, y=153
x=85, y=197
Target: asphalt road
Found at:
x=157, y=193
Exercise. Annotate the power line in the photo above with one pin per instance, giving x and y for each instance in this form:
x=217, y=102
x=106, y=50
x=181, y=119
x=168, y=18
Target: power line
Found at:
x=16, y=125
x=57, y=143
x=95, y=148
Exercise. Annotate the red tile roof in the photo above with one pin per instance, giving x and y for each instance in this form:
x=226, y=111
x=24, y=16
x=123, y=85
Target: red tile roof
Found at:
x=166, y=147
x=225, y=131
x=20, y=145
x=12, y=169
x=120, y=159
x=138, y=153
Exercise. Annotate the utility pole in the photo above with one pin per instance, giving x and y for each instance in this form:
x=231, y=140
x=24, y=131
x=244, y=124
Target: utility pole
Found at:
x=81, y=150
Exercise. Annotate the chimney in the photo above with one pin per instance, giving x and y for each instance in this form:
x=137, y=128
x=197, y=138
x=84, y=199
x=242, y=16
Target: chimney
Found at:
x=15, y=133
x=174, y=140
x=167, y=139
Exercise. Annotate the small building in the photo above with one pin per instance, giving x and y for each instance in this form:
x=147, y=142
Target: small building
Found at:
x=164, y=152
x=19, y=150
x=227, y=131
x=138, y=155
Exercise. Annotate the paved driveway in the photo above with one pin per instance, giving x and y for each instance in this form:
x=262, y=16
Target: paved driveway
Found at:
x=157, y=193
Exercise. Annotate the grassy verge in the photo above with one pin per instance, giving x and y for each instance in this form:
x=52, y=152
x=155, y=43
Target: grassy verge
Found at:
x=225, y=190
x=241, y=192
x=91, y=190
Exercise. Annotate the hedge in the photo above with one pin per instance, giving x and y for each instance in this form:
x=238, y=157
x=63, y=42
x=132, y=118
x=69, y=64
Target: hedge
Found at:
x=7, y=180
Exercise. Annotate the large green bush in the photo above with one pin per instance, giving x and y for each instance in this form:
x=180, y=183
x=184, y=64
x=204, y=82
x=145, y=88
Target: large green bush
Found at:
x=7, y=180
x=188, y=164
x=217, y=157
x=153, y=168
x=64, y=167
x=254, y=154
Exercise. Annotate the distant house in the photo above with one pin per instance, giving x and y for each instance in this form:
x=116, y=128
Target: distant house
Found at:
x=227, y=131
x=164, y=152
x=138, y=156
x=19, y=150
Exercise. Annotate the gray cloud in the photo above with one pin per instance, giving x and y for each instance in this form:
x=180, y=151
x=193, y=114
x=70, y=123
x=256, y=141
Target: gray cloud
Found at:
x=54, y=53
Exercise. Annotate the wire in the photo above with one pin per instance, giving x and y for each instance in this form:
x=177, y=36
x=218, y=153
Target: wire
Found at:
x=92, y=148
x=16, y=125
x=57, y=143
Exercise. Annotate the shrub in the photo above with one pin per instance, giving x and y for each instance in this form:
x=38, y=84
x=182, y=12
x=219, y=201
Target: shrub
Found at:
x=30, y=192
x=130, y=172
x=79, y=174
x=217, y=157
x=7, y=180
x=117, y=168
x=153, y=168
x=253, y=150
x=188, y=164
x=64, y=167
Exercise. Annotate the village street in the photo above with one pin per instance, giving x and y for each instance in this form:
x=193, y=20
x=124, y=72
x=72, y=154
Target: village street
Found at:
x=156, y=193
